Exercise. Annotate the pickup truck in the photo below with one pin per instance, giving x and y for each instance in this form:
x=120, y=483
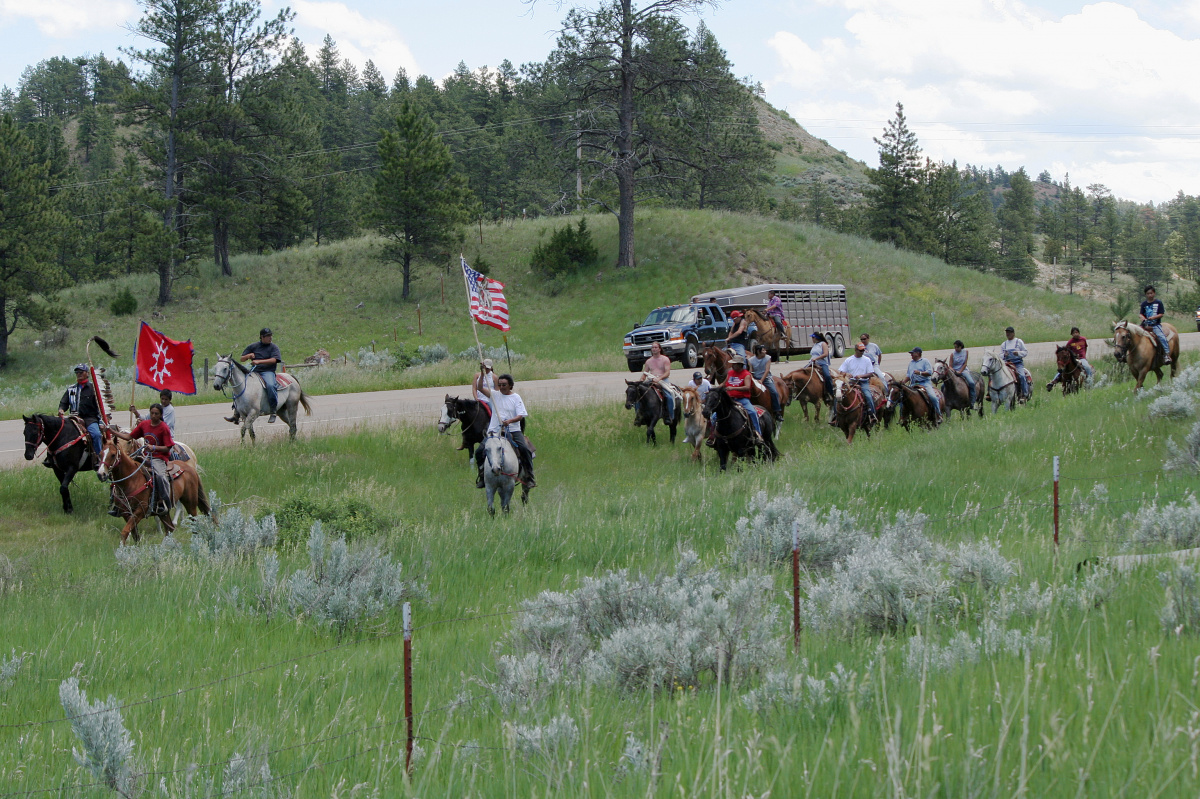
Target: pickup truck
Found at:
x=683, y=330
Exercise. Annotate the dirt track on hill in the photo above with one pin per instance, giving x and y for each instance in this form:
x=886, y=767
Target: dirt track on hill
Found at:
x=202, y=427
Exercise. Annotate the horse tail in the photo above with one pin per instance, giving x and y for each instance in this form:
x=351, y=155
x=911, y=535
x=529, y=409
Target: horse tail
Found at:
x=304, y=402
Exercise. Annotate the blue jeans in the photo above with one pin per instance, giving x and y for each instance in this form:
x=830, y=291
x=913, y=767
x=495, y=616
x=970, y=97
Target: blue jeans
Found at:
x=823, y=367
x=1162, y=338
x=932, y=395
x=970, y=378
x=272, y=387
x=93, y=429
x=770, y=384
x=740, y=349
x=745, y=403
x=868, y=398
x=1019, y=363
x=669, y=398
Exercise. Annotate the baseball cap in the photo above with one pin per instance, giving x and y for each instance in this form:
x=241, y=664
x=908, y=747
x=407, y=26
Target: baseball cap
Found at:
x=916, y=349
x=735, y=314
x=1009, y=329
x=266, y=331
x=860, y=347
x=816, y=336
x=697, y=375
x=487, y=363
x=80, y=367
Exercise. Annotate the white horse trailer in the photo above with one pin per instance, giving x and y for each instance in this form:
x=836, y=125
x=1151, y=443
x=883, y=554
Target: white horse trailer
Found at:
x=808, y=307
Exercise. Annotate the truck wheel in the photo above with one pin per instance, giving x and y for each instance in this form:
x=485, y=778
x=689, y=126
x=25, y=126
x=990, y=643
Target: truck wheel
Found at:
x=691, y=355
x=635, y=366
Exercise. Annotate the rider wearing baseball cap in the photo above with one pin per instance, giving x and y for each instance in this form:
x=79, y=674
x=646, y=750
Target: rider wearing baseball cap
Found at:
x=264, y=357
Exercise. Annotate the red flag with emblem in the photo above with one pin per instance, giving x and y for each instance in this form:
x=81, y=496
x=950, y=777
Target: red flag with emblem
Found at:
x=163, y=363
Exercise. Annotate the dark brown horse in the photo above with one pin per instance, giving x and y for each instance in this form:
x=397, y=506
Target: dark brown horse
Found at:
x=131, y=481
x=68, y=449
x=851, y=408
x=716, y=363
x=641, y=396
x=1138, y=349
x=955, y=391
x=914, y=405
x=1070, y=371
x=733, y=433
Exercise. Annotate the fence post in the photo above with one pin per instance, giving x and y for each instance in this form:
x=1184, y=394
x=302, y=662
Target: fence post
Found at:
x=206, y=371
x=796, y=585
x=408, y=712
x=1056, y=503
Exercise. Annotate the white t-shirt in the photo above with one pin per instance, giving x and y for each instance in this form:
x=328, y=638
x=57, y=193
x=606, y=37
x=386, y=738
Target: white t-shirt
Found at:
x=703, y=388
x=168, y=417
x=874, y=353
x=488, y=380
x=857, y=366
x=506, y=408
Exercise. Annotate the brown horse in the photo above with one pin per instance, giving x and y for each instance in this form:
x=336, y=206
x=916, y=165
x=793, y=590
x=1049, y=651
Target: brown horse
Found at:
x=716, y=363
x=716, y=369
x=695, y=425
x=769, y=334
x=806, y=387
x=955, y=391
x=1138, y=349
x=851, y=409
x=1070, y=370
x=132, y=483
x=914, y=405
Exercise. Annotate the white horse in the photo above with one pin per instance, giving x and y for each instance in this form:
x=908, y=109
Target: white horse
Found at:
x=1002, y=386
x=500, y=471
x=250, y=395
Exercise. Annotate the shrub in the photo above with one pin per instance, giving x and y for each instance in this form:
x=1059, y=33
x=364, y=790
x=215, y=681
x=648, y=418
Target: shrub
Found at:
x=1184, y=458
x=1175, y=524
x=1176, y=405
x=766, y=537
x=804, y=692
x=431, y=353
x=992, y=640
x=568, y=250
x=124, y=304
x=9, y=668
x=552, y=741
x=498, y=355
x=232, y=536
x=981, y=564
x=107, y=747
x=349, y=517
x=376, y=361
x=1182, y=610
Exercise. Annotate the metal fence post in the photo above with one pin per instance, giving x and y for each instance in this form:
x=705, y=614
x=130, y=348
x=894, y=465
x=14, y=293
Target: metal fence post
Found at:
x=1056, y=503
x=408, y=704
x=796, y=585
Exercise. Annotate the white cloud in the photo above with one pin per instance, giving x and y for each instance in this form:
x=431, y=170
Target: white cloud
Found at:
x=1001, y=81
x=62, y=19
x=358, y=37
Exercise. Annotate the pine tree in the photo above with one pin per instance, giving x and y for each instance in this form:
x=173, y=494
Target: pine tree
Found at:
x=1017, y=219
x=895, y=212
x=420, y=200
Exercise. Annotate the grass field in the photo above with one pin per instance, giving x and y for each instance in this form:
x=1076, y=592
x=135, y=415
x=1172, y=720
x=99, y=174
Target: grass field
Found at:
x=311, y=298
x=1104, y=707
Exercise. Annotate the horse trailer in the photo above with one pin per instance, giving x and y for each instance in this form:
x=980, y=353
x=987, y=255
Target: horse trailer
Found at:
x=808, y=308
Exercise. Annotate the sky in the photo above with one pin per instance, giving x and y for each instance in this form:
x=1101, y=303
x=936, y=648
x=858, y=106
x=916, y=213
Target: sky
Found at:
x=1103, y=92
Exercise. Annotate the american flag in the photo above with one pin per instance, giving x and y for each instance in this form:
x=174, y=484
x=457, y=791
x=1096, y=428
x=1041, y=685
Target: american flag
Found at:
x=488, y=305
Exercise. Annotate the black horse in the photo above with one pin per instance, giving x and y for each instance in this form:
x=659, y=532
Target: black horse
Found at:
x=69, y=448
x=649, y=408
x=472, y=415
x=733, y=433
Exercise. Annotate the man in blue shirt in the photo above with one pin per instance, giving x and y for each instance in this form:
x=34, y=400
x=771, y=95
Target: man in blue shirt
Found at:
x=919, y=374
x=264, y=357
x=1152, y=313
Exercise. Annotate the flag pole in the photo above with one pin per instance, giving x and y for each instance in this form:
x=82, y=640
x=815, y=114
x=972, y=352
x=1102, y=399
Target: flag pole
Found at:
x=474, y=326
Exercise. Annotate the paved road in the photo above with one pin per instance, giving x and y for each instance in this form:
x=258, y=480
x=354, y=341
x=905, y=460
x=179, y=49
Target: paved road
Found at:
x=201, y=426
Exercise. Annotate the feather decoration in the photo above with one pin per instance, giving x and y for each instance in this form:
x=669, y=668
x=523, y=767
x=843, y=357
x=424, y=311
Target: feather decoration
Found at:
x=104, y=346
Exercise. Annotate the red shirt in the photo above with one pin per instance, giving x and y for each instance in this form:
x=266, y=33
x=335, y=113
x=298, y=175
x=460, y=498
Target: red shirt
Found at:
x=1078, y=345
x=737, y=384
x=159, y=436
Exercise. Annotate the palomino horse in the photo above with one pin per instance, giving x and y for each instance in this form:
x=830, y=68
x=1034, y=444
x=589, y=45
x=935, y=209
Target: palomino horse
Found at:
x=955, y=390
x=851, y=408
x=1002, y=383
x=769, y=334
x=133, y=489
x=805, y=386
x=1071, y=371
x=69, y=449
x=733, y=433
x=500, y=472
x=695, y=423
x=472, y=415
x=1138, y=349
x=914, y=404
x=250, y=395
x=648, y=408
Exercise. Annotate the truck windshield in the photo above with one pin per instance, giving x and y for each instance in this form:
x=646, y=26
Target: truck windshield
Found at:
x=679, y=315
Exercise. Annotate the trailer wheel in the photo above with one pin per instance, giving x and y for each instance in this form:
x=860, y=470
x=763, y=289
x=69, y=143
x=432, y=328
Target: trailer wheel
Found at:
x=839, y=345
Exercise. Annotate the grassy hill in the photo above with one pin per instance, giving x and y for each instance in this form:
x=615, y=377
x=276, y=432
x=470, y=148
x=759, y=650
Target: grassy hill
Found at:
x=801, y=159
x=343, y=296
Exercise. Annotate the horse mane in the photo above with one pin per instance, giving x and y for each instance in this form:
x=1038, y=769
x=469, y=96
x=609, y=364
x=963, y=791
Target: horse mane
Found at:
x=240, y=366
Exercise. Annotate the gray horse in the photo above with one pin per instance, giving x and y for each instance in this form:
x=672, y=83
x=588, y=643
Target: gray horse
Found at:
x=1002, y=386
x=500, y=472
x=250, y=395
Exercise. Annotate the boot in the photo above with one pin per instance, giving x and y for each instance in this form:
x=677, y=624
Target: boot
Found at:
x=235, y=419
x=479, y=478
x=271, y=418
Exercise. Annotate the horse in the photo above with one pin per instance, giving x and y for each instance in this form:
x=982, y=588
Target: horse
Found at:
x=955, y=391
x=769, y=334
x=1002, y=383
x=132, y=481
x=733, y=433
x=716, y=368
x=1071, y=372
x=805, y=385
x=472, y=415
x=649, y=408
x=500, y=471
x=914, y=404
x=716, y=362
x=69, y=447
x=250, y=396
x=850, y=407
x=1138, y=349
x=695, y=423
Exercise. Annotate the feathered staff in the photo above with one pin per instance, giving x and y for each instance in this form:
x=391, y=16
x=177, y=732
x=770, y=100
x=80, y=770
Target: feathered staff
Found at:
x=104, y=395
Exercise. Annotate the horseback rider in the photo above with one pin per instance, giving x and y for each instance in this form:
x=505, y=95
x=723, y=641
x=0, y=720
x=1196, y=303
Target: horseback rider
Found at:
x=919, y=374
x=1151, y=314
x=1079, y=346
x=876, y=355
x=701, y=384
x=264, y=357
x=1013, y=351
x=760, y=367
x=740, y=334
x=159, y=444
x=486, y=377
x=818, y=358
x=80, y=400
x=958, y=365
x=737, y=386
x=858, y=370
x=168, y=415
x=657, y=369
x=774, y=311
x=508, y=410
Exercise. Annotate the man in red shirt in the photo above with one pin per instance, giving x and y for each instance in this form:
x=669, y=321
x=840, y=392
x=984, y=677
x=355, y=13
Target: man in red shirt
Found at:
x=737, y=385
x=158, y=443
x=1078, y=345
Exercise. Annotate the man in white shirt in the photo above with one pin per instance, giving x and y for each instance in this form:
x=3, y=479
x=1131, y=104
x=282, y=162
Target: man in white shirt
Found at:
x=858, y=368
x=701, y=384
x=508, y=409
x=1013, y=351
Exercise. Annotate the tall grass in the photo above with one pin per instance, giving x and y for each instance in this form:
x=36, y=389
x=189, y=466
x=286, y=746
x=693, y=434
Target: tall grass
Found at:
x=1104, y=706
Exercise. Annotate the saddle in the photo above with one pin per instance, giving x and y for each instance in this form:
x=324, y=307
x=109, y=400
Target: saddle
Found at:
x=1012, y=370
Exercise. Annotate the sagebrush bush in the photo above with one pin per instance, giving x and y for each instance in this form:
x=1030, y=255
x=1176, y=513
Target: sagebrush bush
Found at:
x=10, y=667
x=378, y=360
x=553, y=740
x=431, y=353
x=1176, y=524
x=993, y=640
x=499, y=356
x=568, y=250
x=228, y=534
x=1175, y=405
x=106, y=746
x=980, y=563
x=1181, y=613
x=1185, y=457
x=766, y=537
x=801, y=691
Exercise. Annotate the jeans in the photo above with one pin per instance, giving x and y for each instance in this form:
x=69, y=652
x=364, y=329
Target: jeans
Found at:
x=1087, y=368
x=272, y=387
x=929, y=392
x=770, y=384
x=1162, y=338
x=970, y=379
x=740, y=349
x=669, y=399
x=865, y=384
x=823, y=366
x=1019, y=364
x=93, y=429
x=745, y=403
x=162, y=483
